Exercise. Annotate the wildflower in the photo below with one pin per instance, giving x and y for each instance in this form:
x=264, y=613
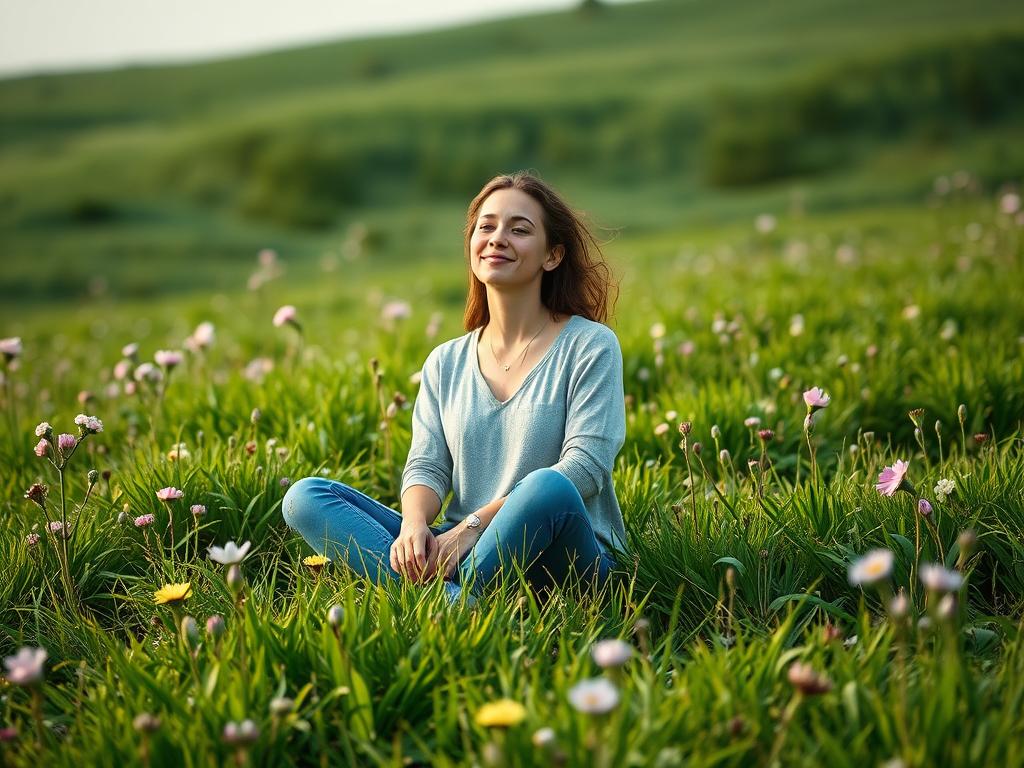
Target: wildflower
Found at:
x=230, y=553
x=148, y=372
x=873, y=567
x=543, y=737
x=281, y=706
x=285, y=482
x=697, y=448
x=255, y=416
x=130, y=351
x=716, y=433
x=26, y=667
x=146, y=723
x=215, y=626
x=657, y=330
x=172, y=593
x=396, y=310
x=686, y=348
x=89, y=425
x=892, y=479
x=966, y=542
x=796, y=325
x=10, y=348
x=611, y=653
x=178, y=452
x=335, y=615
x=202, y=336
x=685, y=427
x=764, y=223
x=981, y=438
x=286, y=315
x=197, y=510
x=242, y=733
x=671, y=415
x=816, y=398
x=899, y=606
x=66, y=443
x=168, y=358
x=724, y=457
x=43, y=429
x=924, y=508
x=915, y=415
x=1009, y=203
x=805, y=679
x=596, y=696
x=946, y=609
x=751, y=421
x=32, y=539
x=169, y=494
x=500, y=714
x=315, y=562
x=943, y=489
x=234, y=579
x=144, y=521
x=55, y=527
x=661, y=429
x=41, y=449
x=939, y=579
x=766, y=435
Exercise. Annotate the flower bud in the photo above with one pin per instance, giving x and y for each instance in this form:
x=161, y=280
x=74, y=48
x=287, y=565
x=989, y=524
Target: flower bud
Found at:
x=392, y=410
x=146, y=723
x=924, y=508
x=899, y=606
x=235, y=579
x=215, y=626
x=335, y=615
x=961, y=414
x=724, y=457
x=697, y=448
x=766, y=435
x=254, y=417
x=938, y=428
x=685, y=427
x=946, y=609
x=281, y=706
x=93, y=476
x=190, y=631
x=716, y=433
x=967, y=541
x=122, y=518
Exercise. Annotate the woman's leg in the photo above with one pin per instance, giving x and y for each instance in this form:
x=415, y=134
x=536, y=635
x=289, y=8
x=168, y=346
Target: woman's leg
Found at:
x=544, y=526
x=338, y=521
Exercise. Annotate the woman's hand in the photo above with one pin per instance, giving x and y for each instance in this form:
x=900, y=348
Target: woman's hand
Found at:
x=414, y=552
x=452, y=546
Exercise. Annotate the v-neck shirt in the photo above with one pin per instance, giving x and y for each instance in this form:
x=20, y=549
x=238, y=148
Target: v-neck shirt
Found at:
x=567, y=414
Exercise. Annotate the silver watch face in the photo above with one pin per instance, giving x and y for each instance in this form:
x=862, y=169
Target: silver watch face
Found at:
x=473, y=520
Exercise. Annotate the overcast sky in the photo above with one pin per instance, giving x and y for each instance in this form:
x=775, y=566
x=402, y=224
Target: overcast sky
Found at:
x=58, y=35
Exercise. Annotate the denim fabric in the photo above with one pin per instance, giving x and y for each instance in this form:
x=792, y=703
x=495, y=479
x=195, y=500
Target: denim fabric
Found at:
x=543, y=525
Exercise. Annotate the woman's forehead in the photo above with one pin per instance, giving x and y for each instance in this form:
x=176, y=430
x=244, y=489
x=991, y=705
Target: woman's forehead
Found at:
x=509, y=204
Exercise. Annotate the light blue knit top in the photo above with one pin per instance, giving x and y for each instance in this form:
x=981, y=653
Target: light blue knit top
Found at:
x=569, y=414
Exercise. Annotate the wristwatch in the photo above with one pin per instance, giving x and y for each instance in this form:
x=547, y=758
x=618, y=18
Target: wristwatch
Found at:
x=473, y=520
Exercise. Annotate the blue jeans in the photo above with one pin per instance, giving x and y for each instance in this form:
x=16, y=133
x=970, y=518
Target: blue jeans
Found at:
x=543, y=526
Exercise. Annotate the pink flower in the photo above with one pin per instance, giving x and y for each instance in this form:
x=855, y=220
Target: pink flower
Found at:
x=32, y=539
x=10, y=348
x=201, y=338
x=66, y=443
x=89, y=424
x=661, y=428
x=122, y=369
x=1009, y=203
x=169, y=494
x=168, y=358
x=396, y=310
x=55, y=526
x=41, y=448
x=130, y=350
x=148, y=372
x=816, y=398
x=43, y=429
x=892, y=479
x=198, y=510
x=286, y=314
x=143, y=521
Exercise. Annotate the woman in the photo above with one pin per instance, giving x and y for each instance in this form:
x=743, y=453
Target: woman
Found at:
x=521, y=418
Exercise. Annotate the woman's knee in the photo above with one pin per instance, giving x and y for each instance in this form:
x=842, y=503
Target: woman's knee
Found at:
x=557, y=491
x=299, y=502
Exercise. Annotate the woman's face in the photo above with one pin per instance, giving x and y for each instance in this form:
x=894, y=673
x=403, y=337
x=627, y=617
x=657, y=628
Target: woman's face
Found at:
x=509, y=246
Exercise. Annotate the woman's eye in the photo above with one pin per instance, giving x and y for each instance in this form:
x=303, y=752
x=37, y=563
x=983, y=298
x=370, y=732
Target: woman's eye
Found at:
x=520, y=231
x=484, y=226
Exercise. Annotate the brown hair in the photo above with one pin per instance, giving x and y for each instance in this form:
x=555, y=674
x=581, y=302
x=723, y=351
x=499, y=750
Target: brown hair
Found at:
x=581, y=282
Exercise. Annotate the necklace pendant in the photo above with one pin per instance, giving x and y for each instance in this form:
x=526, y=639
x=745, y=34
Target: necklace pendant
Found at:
x=507, y=367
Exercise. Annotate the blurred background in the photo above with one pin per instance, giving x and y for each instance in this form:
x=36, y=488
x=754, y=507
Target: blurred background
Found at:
x=126, y=183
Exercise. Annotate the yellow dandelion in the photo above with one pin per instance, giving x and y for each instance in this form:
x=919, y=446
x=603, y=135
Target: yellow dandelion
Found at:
x=172, y=593
x=315, y=562
x=501, y=714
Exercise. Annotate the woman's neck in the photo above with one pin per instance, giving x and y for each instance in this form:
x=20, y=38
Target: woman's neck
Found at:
x=515, y=321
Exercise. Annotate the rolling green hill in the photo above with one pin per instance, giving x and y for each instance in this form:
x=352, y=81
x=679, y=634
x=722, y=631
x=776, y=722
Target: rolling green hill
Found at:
x=655, y=114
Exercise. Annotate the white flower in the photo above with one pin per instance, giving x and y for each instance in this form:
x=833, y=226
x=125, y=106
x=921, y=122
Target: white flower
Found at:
x=543, y=737
x=875, y=566
x=596, y=696
x=943, y=488
x=26, y=667
x=939, y=579
x=89, y=423
x=611, y=653
x=230, y=553
x=11, y=348
x=43, y=428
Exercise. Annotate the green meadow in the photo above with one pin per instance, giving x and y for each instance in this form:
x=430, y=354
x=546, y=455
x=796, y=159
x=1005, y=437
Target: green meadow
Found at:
x=790, y=195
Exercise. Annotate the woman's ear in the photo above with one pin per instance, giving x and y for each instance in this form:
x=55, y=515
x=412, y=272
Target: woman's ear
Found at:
x=554, y=257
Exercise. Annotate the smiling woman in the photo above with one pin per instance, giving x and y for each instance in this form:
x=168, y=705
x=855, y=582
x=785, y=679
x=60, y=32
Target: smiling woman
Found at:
x=520, y=419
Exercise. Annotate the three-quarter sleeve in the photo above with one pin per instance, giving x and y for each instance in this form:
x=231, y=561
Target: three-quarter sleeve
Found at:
x=595, y=422
x=430, y=461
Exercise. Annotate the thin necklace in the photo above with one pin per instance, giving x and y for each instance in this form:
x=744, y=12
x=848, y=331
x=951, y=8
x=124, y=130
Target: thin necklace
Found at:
x=522, y=357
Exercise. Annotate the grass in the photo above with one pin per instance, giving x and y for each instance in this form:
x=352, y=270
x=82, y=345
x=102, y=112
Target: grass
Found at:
x=734, y=570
